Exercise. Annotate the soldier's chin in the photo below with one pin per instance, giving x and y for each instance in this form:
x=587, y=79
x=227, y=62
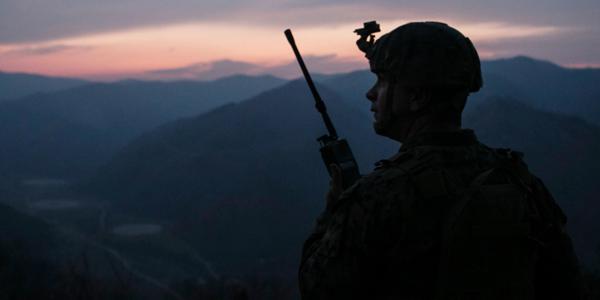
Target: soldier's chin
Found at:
x=381, y=128
x=386, y=129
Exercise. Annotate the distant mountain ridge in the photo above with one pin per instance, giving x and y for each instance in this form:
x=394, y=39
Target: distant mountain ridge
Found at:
x=134, y=106
x=17, y=85
x=550, y=87
x=538, y=83
x=117, y=112
x=94, y=120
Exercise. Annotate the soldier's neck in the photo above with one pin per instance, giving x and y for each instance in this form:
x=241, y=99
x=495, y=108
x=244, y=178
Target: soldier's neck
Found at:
x=426, y=123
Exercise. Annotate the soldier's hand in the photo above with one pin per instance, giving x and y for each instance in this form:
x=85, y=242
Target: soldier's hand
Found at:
x=335, y=185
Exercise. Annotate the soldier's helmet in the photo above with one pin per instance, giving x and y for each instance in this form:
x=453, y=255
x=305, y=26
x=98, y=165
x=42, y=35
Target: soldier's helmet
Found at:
x=429, y=54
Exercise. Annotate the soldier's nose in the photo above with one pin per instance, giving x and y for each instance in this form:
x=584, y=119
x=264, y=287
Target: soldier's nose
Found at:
x=371, y=95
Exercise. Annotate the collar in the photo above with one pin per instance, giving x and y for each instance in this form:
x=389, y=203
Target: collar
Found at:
x=463, y=137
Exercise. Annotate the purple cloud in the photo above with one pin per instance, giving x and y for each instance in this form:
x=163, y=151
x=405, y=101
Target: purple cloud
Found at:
x=45, y=50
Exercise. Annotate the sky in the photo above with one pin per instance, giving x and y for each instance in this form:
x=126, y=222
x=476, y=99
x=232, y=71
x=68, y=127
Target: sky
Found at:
x=199, y=39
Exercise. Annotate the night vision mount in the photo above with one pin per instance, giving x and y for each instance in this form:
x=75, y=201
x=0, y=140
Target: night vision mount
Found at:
x=367, y=32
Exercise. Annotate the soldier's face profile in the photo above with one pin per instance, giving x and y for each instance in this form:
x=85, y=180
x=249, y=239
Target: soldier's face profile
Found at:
x=387, y=101
x=378, y=95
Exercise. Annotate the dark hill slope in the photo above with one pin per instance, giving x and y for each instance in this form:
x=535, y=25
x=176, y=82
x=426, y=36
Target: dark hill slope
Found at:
x=37, y=144
x=27, y=246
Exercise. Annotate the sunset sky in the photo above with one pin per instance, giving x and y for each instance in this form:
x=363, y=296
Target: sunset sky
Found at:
x=154, y=39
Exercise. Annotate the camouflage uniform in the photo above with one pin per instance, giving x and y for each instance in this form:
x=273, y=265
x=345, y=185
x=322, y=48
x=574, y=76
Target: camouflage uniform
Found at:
x=445, y=218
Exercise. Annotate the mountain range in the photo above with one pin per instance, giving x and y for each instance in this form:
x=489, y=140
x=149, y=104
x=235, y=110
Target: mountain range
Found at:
x=69, y=133
x=537, y=83
x=247, y=178
x=70, y=123
x=232, y=166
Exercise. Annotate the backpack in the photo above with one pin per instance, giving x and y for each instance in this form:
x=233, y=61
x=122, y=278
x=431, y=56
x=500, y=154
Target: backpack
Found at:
x=490, y=236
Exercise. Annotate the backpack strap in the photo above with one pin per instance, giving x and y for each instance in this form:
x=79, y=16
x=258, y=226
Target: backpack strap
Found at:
x=458, y=208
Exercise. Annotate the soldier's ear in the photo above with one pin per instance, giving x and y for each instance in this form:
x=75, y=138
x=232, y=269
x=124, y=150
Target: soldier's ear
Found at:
x=419, y=98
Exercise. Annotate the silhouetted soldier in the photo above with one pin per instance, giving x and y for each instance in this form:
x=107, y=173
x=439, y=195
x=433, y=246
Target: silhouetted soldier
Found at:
x=447, y=217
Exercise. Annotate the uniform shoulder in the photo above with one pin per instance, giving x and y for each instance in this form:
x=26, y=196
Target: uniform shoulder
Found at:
x=390, y=177
x=396, y=168
x=513, y=162
x=545, y=204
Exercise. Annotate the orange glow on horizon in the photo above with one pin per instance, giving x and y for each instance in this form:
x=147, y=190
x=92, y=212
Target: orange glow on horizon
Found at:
x=131, y=52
